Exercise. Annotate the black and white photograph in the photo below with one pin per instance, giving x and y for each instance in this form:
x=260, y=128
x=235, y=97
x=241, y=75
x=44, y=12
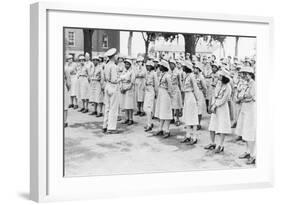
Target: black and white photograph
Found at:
x=140, y=102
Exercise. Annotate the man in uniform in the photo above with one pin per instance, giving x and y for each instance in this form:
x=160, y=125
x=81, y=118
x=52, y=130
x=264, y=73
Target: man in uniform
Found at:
x=111, y=93
x=207, y=73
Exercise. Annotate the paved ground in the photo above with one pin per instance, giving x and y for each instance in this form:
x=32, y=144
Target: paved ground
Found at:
x=90, y=152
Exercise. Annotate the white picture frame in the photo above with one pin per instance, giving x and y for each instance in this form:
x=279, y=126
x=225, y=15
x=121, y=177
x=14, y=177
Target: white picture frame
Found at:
x=46, y=178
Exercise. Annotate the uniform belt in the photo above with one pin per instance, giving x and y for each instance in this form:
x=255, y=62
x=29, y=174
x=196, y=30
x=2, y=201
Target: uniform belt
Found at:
x=208, y=77
x=82, y=76
x=140, y=77
x=115, y=83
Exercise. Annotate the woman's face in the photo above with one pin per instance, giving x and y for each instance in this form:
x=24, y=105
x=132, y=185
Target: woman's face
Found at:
x=172, y=66
x=149, y=68
x=162, y=69
x=214, y=69
x=96, y=62
x=196, y=70
x=127, y=65
x=70, y=60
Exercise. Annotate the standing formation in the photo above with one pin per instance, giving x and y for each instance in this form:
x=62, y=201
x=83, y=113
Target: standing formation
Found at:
x=173, y=91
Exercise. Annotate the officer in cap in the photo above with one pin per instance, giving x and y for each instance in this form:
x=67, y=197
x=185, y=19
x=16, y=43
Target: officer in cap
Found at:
x=111, y=91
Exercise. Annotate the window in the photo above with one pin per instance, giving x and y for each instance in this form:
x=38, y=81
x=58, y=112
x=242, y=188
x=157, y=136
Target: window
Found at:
x=71, y=38
x=105, y=41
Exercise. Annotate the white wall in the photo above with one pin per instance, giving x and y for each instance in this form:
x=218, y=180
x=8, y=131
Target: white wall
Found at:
x=14, y=103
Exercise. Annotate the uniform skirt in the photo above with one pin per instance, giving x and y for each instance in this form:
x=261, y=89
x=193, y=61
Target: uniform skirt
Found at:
x=247, y=122
x=201, y=103
x=73, y=89
x=83, y=88
x=163, y=109
x=95, y=92
x=66, y=98
x=149, y=99
x=190, y=109
x=139, y=89
x=176, y=98
x=209, y=88
x=128, y=100
x=220, y=121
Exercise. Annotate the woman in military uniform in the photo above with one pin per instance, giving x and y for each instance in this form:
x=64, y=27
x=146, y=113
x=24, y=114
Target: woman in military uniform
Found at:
x=163, y=110
x=83, y=84
x=207, y=73
x=71, y=69
x=176, y=92
x=201, y=84
x=247, y=120
x=190, y=107
x=67, y=87
x=140, y=73
x=127, y=88
x=214, y=81
x=96, y=84
x=220, y=123
x=151, y=87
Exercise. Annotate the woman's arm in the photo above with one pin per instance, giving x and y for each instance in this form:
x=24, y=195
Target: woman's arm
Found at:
x=224, y=98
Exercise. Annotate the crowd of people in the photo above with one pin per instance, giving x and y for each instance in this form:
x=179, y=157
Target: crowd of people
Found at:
x=173, y=91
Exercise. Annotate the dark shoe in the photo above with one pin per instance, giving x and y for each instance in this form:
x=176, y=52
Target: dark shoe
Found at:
x=99, y=115
x=178, y=123
x=125, y=122
x=119, y=118
x=199, y=127
x=142, y=114
x=75, y=107
x=180, y=114
x=81, y=110
x=219, y=149
x=251, y=161
x=245, y=156
x=234, y=125
x=159, y=133
x=192, y=141
x=130, y=122
x=166, y=135
x=112, y=132
x=147, y=129
x=104, y=130
x=210, y=146
x=93, y=113
x=137, y=113
x=85, y=111
x=66, y=124
x=172, y=121
x=186, y=139
x=239, y=138
x=70, y=106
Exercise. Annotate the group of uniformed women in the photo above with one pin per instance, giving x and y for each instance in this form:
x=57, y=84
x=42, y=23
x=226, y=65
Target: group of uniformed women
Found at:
x=173, y=91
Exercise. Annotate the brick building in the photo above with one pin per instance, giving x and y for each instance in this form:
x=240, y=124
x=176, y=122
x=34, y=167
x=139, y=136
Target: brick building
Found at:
x=102, y=40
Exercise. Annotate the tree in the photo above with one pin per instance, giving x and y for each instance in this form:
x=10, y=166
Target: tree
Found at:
x=88, y=34
x=130, y=43
x=148, y=37
x=220, y=39
x=236, y=45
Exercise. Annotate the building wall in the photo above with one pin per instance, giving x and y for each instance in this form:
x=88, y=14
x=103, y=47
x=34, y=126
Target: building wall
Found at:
x=98, y=38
